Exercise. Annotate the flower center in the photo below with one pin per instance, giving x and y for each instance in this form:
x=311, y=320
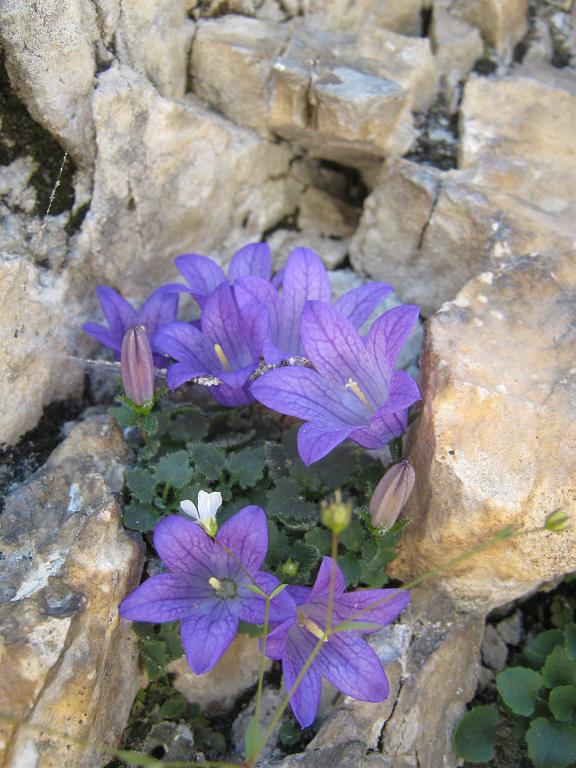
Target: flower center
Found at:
x=353, y=385
x=224, y=588
x=222, y=357
x=307, y=623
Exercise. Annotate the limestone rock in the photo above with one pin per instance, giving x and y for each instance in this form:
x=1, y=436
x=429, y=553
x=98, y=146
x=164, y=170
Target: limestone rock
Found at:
x=494, y=649
x=283, y=241
x=495, y=443
x=325, y=215
x=403, y=16
x=161, y=167
x=67, y=661
x=503, y=23
x=457, y=47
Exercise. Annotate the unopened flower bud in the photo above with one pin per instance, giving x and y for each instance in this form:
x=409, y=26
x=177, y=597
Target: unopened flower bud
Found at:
x=137, y=366
x=558, y=521
x=391, y=494
x=337, y=515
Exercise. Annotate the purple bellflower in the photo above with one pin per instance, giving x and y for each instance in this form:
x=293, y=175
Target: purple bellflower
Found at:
x=206, y=586
x=158, y=309
x=204, y=275
x=353, y=391
x=303, y=279
x=345, y=659
x=137, y=366
x=227, y=346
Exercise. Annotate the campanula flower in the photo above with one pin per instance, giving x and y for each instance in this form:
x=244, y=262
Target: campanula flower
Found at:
x=227, y=346
x=391, y=494
x=353, y=391
x=206, y=585
x=205, y=513
x=345, y=659
x=204, y=275
x=137, y=366
x=158, y=309
x=303, y=279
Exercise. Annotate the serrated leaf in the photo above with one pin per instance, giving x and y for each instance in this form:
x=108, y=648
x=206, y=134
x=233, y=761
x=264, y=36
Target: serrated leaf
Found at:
x=246, y=467
x=475, y=735
x=154, y=658
x=551, y=744
x=351, y=568
x=174, y=708
x=540, y=646
x=207, y=459
x=354, y=536
x=570, y=641
x=174, y=469
x=170, y=634
x=141, y=483
x=149, y=450
x=336, y=468
x=252, y=738
x=320, y=538
x=124, y=415
x=307, y=557
x=558, y=669
x=149, y=424
x=285, y=503
x=188, y=426
x=277, y=461
x=519, y=688
x=140, y=517
x=562, y=702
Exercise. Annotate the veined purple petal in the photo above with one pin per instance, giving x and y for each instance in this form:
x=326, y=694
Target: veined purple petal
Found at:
x=303, y=393
x=165, y=597
x=306, y=698
x=231, y=396
x=402, y=393
x=358, y=304
x=254, y=290
x=316, y=441
x=276, y=640
x=388, y=334
x=305, y=279
x=299, y=594
x=277, y=279
x=186, y=344
x=103, y=335
x=176, y=288
x=201, y=273
x=321, y=586
x=237, y=331
x=350, y=664
x=282, y=606
x=119, y=314
x=159, y=309
x=252, y=259
x=206, y=636
x=184, y=546
x=179, y=373
x=392, y=603
x=383, y=426
x=255, y=321
x=246, y=536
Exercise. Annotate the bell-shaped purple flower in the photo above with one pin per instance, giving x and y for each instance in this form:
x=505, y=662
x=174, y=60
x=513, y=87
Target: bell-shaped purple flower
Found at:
x=303, y=279
x=158, y=309
x=207, y=584
x=391, y=494
x=345, y=659
x=137, y=365
x=227, y=346
x=204, y=275
x=353, y=391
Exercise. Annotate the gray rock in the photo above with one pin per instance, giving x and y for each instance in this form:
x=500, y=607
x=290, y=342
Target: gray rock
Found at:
x=272, y=698
x=510, y=629
x=494, y=649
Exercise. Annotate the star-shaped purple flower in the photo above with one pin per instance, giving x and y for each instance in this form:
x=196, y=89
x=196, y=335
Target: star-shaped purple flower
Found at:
x=204, y=275
x=159, y=309
x=303, y=279
x=206, y=586
x=227, y=346
x=345, y=660
x=353, y=391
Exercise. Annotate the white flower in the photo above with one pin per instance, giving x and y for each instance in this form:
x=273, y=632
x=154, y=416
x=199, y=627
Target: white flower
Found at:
x=205, y=515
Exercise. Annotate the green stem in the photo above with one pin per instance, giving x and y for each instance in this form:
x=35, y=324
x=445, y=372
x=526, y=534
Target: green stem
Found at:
x=262, y=661
x=331, y=588
x=166, y=491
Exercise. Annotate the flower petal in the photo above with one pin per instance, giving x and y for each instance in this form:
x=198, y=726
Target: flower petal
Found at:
x=321, y=586
x=208, y=504
x=245, y=534
x=186, y=344
x=305, y=279
x=179, y=373
x=201, y=273
x=184, y=546
x=299, y=594
x=305, y=700
x=165, y=597
x=388, y=334
x=231, y=396
x=276, y=640
x=119, y=314
x=316, y=441
x=252, y=259
x=358, y=304
x=103, y=335
x=282, y=607
x=391, y=604
x=350, y=664
x=383, y=426
x=239, y=332
x=402, y=393
x=159, y=309
x=206, y=636
x=250, y=290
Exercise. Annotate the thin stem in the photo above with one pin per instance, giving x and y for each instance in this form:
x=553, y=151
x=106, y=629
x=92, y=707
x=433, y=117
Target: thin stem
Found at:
x=262, y=660
x=332, y=584
x=166, y=491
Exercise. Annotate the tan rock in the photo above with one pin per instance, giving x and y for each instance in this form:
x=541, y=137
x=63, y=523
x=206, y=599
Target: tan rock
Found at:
x=503, y=23
x=325, y=215
x=67, y=661
x=283, y=241
x=457, y=47
x=495, y=444
x=403, y=16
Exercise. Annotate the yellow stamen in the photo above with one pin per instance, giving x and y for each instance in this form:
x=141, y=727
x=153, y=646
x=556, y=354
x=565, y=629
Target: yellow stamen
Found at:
x=312, y=627
x=215, y=583
x=222, y=357
x=353, y=385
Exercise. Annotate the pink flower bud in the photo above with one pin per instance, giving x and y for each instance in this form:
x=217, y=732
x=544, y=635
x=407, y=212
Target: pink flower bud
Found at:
x=391, y=494
x=137, y=366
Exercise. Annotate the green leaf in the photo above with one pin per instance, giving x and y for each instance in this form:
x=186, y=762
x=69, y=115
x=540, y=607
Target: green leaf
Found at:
x=320, y=538
x=189, y=425
x=336, y=468
x=140, y=517
x=174, y=469
x=277, y=461
x=130, y=757
x=570, y=641
x=551, y=744
x=285, y=503
x=541, y=645
x=561, y=613
x=252, y=738
x=170, y=634
x=351, y=568
x=174, y=708
x=562, y=702
x=149, y=450
x=124, y=415
x=290, y=734
x=246, y=466
x=141, y=483
x=252, y=630
x=149, y=424
x=207, y=459
x=154, y=658
x=558, y=669
x=519, y=688
x=354, y=536
x=307, y=558
x=375, y=556
x=475, y=734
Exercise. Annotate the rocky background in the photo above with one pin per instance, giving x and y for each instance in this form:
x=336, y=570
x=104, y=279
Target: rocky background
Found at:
x=430, y=145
